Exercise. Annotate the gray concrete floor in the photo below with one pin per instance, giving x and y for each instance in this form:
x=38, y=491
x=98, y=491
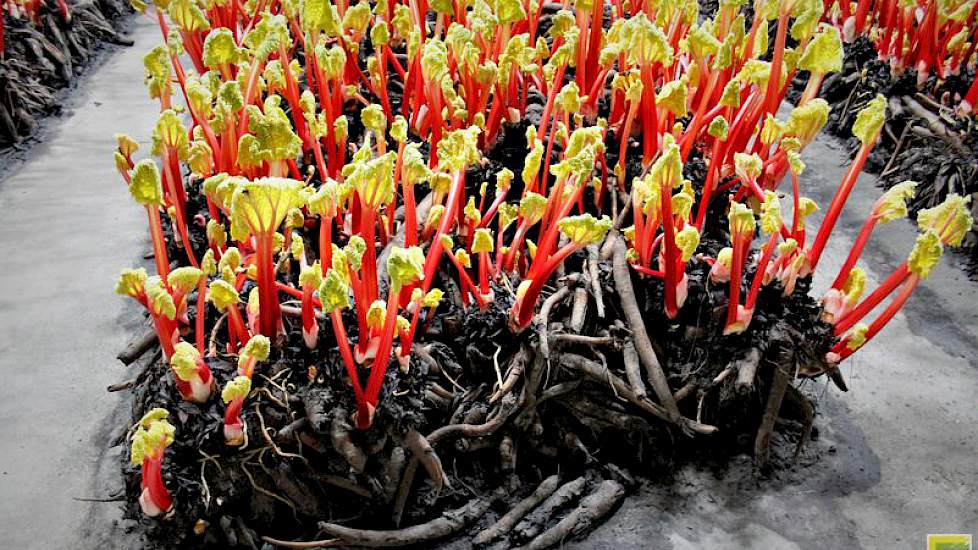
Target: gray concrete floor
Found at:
x=896, y=457
x=67, y=226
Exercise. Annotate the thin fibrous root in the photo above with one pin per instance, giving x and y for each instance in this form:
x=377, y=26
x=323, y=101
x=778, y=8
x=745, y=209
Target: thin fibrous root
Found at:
x=626, y=293
x=599, y=373
x=448, y=524
x=426, y=455
x=506, y=523
x=536, y=521
x=592, y=509
x=632, y=369
x=516, y=366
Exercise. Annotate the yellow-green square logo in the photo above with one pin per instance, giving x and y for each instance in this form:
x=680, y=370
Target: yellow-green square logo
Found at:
x=948, y=542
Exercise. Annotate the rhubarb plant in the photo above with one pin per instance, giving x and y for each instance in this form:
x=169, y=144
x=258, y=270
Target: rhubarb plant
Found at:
x=149, y=442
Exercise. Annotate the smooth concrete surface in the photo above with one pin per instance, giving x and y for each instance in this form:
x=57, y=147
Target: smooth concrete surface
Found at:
x=67, y=227
x=896, y=458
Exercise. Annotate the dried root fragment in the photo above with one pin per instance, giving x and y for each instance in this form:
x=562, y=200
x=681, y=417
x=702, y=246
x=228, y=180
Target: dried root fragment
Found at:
x=592, y=509
x=504, y=524
x=448, y=524
x=537, y=521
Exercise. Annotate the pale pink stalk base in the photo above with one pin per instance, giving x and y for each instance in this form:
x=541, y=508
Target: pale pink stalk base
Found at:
x=234, y=434
x=147, y=505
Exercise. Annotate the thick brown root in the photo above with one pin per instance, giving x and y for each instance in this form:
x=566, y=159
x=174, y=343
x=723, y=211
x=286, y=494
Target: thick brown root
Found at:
x=747, y=370
x=629, y=306
x=426, y=455
x=783, y=371
x=339, y=434
x=447, y=525
x=592, y=509
x=506, y=523
x=621, y=388
x=535, y=522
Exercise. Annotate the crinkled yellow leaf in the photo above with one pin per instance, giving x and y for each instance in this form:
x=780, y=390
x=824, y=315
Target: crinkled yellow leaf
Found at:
x=184, y=361
x=238, y=388
x=532, y=207
x=584, y=229
x=184, y=279
x=771, y=213
x=405, y=266
x=222, y=294
x=747, y=167
x=823, y=54
x=260, y=206
x=926, y=253
x=893, y=204
x=719, y=127
x=131, y=282
x=857, y=336
x=459, y=149
x=673, y=96
x=687, y=240
x=482, y=241
x=145, y=187
x=807, y=120
x=432, y=298
x=334, y=292
x=869, y=121
x=951, y=220
x=159, y=300
x=741, y=219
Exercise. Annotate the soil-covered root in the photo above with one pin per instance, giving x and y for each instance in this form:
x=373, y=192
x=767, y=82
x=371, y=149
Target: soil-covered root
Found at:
x=448, y=524
x=534, y=523
x=592, y=509
x=509, y=520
